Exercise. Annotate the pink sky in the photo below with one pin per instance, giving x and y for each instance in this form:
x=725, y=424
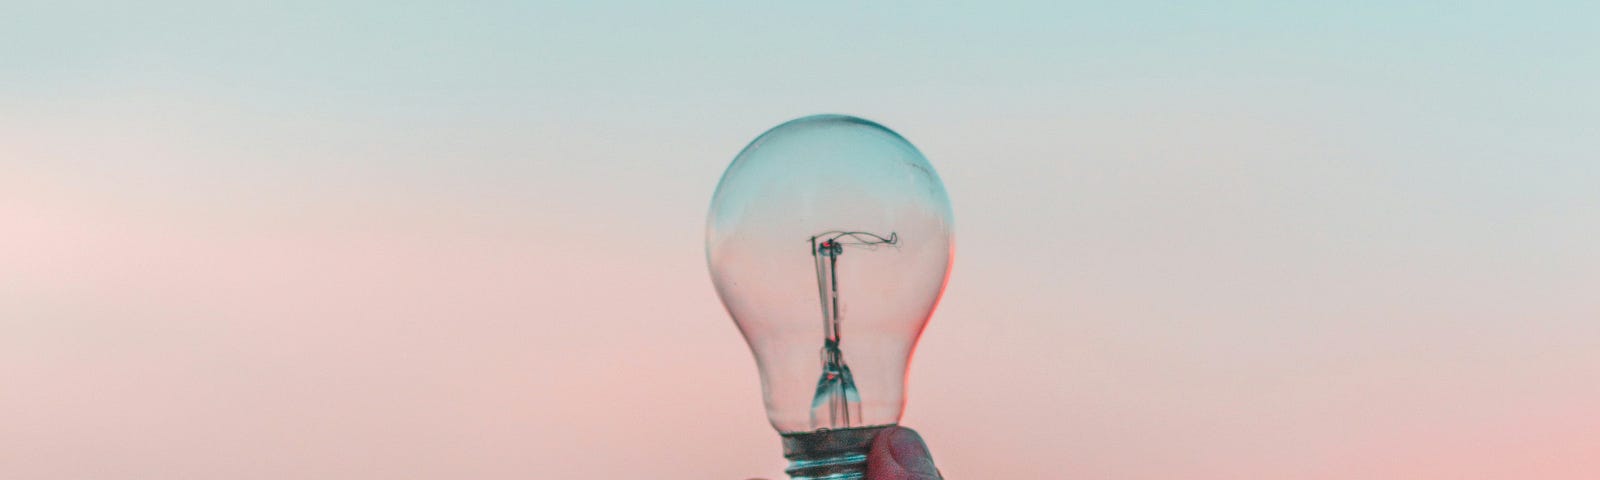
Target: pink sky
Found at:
x=462, y=242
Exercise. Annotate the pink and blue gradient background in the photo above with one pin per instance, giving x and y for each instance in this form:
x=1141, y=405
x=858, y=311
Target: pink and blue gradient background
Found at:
x=395, y=241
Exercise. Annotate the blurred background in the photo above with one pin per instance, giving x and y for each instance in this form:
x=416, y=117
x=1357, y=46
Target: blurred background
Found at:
x=411, y=240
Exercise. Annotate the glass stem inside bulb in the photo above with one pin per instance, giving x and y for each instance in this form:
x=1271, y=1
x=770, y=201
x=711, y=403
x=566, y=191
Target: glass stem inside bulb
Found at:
x=837, y=403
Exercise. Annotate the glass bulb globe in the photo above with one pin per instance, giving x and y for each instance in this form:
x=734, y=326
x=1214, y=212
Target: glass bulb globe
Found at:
x=829, y=241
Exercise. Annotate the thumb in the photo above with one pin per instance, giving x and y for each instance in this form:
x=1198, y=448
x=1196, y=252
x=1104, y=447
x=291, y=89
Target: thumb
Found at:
x=898, y=453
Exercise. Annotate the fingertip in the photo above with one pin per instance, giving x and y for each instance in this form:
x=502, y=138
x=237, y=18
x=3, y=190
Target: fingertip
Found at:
x=911, y=452
x=900, y=453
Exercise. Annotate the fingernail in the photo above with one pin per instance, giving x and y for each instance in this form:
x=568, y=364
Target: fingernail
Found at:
x=911, y=452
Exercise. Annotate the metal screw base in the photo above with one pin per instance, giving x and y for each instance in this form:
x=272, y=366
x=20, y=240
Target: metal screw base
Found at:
x=837, y=454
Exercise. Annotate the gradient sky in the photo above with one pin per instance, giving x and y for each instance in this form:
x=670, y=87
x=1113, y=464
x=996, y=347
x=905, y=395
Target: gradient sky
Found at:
x=408, y=240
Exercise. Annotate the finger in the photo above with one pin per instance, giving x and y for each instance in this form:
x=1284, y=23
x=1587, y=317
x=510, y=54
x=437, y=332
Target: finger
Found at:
x=900, y=454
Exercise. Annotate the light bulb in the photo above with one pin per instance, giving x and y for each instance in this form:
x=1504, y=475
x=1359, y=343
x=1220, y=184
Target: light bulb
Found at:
x=829, y=241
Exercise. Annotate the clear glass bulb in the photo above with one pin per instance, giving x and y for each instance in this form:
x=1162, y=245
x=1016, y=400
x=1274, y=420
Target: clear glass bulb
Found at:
x=829, y=241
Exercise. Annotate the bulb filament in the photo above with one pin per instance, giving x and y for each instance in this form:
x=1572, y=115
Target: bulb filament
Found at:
x=837, y=403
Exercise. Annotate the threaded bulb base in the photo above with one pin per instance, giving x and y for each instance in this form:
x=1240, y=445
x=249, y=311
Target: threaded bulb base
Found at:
x=836, y=454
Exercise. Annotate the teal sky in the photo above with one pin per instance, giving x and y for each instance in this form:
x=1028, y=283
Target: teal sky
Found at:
x=428, y=240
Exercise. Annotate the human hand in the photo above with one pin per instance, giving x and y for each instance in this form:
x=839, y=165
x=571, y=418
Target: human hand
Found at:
x=898, y=453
